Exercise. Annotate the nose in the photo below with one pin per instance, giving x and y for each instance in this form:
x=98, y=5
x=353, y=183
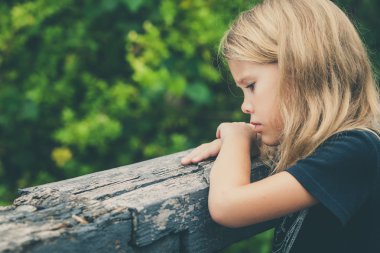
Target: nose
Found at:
x=246, y=107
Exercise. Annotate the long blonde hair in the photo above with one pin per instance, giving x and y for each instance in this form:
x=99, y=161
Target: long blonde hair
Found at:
x=326, y=81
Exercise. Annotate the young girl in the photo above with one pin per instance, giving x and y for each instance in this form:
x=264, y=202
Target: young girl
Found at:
x=311, y=95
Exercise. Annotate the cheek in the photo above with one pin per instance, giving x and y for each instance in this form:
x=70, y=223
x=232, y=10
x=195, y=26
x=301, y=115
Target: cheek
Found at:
x=278, y=123
x=277, y=120
x=274, y=114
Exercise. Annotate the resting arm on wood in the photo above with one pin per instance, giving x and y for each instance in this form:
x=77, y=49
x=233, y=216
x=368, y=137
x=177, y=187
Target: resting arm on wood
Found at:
x=233, y=200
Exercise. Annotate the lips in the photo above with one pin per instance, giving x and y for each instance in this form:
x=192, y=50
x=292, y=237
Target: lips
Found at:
x=255, y=124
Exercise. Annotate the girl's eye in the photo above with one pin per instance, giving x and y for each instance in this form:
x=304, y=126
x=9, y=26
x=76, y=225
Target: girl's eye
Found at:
x=251, y=86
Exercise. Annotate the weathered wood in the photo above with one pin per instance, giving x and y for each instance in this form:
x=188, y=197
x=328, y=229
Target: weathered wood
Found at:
x=47, y=218
x=153, y=206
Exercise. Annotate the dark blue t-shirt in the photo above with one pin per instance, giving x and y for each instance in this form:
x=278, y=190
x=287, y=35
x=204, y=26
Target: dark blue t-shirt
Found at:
x=343, y=175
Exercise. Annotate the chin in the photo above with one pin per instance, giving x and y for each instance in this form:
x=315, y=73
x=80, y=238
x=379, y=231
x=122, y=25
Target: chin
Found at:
x=270, y=141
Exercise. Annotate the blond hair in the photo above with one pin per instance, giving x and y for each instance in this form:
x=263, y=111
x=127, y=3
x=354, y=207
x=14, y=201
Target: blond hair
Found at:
x=326, y=81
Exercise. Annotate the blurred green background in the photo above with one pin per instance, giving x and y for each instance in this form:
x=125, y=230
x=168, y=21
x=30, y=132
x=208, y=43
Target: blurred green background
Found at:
x=95, y=84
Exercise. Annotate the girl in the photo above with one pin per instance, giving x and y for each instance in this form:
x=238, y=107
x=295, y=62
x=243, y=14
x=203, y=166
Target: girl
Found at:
x=311, y=95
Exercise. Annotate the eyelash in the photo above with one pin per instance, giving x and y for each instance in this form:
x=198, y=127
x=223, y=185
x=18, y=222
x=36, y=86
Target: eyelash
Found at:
x=251, y=86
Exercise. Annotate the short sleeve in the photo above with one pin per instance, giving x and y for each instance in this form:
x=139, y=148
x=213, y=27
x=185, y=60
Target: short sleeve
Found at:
x=342, y=172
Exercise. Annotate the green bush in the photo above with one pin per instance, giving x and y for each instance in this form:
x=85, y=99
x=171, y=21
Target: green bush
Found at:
x=91, y=85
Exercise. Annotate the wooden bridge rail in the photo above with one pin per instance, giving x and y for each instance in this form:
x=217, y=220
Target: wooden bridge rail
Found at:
x=152, y=206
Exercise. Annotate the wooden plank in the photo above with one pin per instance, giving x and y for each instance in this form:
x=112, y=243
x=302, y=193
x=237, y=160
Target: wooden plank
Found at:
x=49, y=219
x=131, y=176
x=126, y=209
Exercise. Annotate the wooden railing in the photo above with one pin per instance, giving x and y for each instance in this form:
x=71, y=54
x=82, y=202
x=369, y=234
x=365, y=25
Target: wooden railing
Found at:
x=153, y=206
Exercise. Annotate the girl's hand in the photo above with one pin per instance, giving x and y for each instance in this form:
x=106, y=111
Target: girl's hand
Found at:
x=236, y=130
x=203, y=152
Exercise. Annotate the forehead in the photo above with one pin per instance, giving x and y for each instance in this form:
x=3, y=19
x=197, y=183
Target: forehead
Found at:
x=248, y=71
x=242, y=70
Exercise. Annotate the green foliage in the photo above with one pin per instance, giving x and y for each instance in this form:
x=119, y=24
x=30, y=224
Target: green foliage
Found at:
x=364, y=14
x=260, y=243
x=91, y=85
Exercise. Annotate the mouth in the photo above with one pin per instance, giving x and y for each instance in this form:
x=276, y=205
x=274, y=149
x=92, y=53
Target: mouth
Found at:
x=255, y=124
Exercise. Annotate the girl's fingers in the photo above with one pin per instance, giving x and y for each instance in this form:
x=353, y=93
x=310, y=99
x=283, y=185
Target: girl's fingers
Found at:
x=199, y=158
x=202, y=152
x=251, y=126
x=200, y=155
x=217, y=133
x=189, y=158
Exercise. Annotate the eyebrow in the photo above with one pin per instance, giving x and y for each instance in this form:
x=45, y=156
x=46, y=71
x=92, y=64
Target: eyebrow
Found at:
x=243, y=80
x=240, y=82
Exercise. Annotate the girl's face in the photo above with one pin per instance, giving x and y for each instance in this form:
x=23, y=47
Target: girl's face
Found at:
x=260, y=85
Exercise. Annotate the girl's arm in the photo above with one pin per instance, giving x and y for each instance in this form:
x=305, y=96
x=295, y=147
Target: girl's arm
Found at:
x=234, y=201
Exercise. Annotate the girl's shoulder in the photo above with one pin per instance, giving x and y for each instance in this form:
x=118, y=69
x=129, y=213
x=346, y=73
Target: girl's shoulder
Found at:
x=349, y=147
x=361, y=138
x=341, y=171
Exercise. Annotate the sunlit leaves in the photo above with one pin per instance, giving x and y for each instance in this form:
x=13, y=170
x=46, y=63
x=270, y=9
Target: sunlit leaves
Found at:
x=94, y=130
x=61, y=156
